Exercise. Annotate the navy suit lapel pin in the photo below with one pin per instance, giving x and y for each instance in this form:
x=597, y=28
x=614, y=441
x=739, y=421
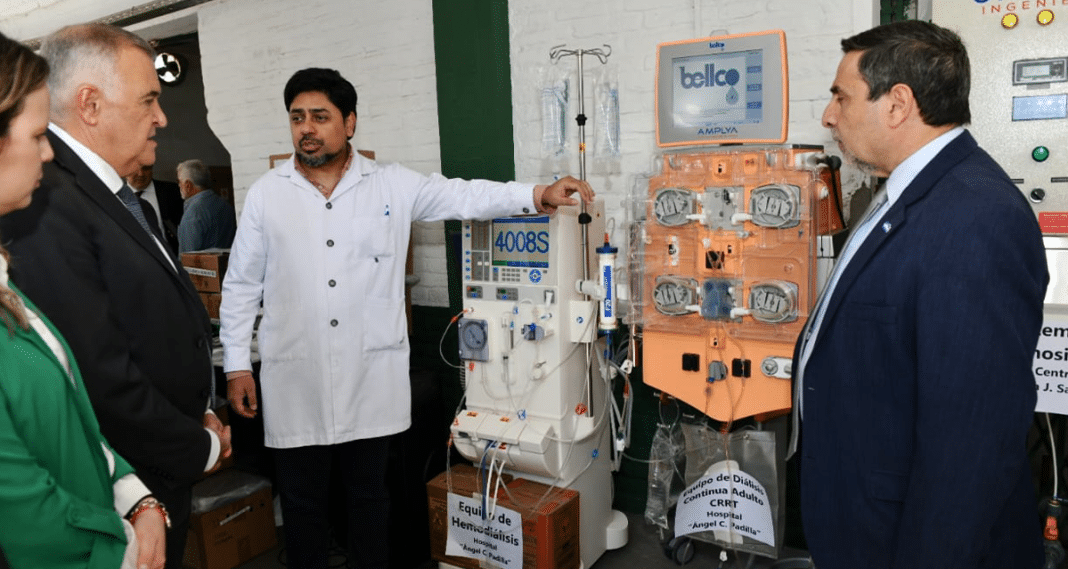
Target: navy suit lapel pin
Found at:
x=887, y=226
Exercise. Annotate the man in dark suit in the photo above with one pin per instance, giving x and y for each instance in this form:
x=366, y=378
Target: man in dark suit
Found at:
x=85, y=255
x=913, y=383
x=165, y=198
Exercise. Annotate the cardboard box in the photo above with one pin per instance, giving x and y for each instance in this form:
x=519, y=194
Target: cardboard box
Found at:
x=211, y=301
x=206, y=268
x=230, y=531
x=550, y=534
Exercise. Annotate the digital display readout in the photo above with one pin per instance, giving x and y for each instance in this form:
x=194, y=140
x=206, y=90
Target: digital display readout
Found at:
x=1030, y=71
x=521, y=242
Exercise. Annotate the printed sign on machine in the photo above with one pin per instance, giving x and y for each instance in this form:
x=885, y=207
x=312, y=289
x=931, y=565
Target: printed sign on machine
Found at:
x=497, y=539
x=728, y=502
x=1051, y=365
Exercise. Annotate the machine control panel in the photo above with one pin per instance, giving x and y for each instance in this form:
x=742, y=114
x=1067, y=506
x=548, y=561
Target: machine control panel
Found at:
x=1019, y=95
x=1032, y=71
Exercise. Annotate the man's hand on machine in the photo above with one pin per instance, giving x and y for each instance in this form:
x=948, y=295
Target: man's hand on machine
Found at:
x=557, y=194
x=241, y=391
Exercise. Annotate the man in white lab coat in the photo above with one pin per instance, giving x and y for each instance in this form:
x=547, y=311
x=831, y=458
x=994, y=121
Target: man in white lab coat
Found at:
x=322, y=242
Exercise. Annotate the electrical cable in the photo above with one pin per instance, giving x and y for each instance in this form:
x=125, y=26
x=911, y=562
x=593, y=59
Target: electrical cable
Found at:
x=596, y=427
x=621, y=419
x=834, y=163
x=486, y=473
x=524, y=397
x=1054, y=551
x=487, y=496
x=441, y=342
x=448, y=463
x=725, y=430
x=571, y=444
x=497, y=485
x=574, y=349
x=449, y=443
x=483, y=477
x=1053, y=454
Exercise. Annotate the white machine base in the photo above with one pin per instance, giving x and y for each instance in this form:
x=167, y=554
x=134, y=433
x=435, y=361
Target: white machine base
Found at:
x=616, y=532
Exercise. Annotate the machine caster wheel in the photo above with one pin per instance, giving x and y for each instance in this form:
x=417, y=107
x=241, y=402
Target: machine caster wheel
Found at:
x=680, y=550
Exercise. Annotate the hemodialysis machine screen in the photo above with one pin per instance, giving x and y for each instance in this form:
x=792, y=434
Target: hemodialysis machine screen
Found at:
x=521, y=242
x=716, y=89
x=722, y=90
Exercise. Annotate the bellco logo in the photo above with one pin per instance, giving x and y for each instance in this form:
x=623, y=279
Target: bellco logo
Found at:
x=708, y=77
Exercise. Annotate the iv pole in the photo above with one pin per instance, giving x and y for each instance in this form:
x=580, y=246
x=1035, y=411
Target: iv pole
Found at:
x=557, y=53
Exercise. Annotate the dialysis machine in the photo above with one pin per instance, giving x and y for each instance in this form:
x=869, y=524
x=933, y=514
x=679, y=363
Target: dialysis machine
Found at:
x=525, y=338
x=722, y=276
x=723, y=257
x=725, y=245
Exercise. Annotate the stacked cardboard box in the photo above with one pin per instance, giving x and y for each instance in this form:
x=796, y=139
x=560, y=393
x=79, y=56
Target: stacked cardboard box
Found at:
x=206, y=269
x=232, y=520
x=550, y=533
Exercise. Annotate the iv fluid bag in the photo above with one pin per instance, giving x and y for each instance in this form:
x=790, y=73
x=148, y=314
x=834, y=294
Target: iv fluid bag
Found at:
x=554, y=99
x=606, y=143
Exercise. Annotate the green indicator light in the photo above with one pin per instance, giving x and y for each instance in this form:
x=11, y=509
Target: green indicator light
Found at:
x=1040, y=153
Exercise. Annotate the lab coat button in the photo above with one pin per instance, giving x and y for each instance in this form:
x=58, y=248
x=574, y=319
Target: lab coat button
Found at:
x=332, y=283
x=329, y=205
x=526, y=210
x=329, y=242
x=333, y=322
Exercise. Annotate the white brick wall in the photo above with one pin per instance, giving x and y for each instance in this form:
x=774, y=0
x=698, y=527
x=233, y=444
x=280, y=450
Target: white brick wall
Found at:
x=251, y=47
x=30, y=19
x=633, y=28
x=387, y=52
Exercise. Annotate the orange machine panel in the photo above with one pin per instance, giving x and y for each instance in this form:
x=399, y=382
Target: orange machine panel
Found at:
x=728, y=262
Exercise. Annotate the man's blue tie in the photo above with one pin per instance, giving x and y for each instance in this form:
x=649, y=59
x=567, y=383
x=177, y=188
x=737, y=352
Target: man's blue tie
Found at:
x=130, y=201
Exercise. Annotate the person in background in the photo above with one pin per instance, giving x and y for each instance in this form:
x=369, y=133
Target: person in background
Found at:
x=165, y=201
x=914, y=387
x=63, y=490
x=333, y=338
x=209, y=220
x=84, y=253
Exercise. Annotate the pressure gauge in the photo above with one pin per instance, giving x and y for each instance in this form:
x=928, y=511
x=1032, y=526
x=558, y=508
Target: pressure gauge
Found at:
x=773, y=302
x=674, y=296
x=776, y=206
x=672, y=205
x=473, y=340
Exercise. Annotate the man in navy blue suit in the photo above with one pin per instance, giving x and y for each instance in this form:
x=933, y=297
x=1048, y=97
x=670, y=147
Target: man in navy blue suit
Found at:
x=913, y=387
